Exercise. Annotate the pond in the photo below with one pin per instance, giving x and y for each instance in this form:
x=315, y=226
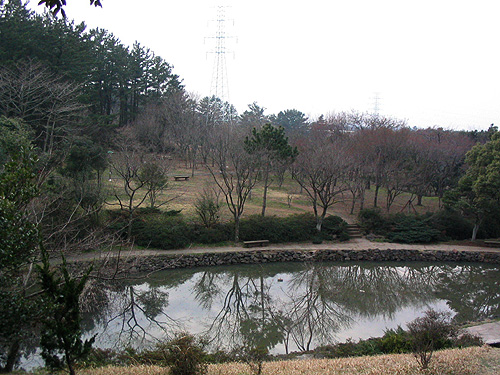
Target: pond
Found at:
x=286, y=306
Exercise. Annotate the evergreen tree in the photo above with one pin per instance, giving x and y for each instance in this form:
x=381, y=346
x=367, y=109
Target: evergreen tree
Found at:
x=19, y=240
x=478, y=191
x=272, y=148
x=61, y=340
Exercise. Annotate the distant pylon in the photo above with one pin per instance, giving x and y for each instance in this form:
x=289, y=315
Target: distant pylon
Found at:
x=376, y=103
x=219, y=85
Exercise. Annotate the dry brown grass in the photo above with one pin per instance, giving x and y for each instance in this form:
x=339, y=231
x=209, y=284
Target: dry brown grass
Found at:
x=470, y=361
x=187, y=192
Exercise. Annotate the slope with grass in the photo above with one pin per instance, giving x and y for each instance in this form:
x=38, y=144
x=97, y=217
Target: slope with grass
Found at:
x=470, y=361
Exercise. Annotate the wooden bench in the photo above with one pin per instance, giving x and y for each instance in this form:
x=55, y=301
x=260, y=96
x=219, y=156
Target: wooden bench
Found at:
x=492, y=243
x=181, y=178
x=255, y=243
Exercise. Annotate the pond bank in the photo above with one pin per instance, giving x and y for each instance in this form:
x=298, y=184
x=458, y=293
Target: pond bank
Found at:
x=147, y=261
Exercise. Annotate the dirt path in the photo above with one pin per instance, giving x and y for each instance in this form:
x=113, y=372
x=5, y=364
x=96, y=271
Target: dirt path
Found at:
x=354, y=244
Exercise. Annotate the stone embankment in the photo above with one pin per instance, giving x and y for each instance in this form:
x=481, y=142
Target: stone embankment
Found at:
x=148, y=264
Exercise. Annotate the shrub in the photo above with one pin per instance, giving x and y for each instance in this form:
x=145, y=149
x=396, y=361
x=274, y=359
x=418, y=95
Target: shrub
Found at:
x=216, y=234
x=452, y=225
x=466, y=339
x=207, y=207
x=371, y=220
x=185, y=355
x=102, y=357
x=145, y=211
x=334, y=226
x=413, y=229
x=395, y=341
x=162, y=232
x=431, y=332
x=255, y=357
x=257, y=227
x=298, y=228
x=294, y=228
x=61, y=335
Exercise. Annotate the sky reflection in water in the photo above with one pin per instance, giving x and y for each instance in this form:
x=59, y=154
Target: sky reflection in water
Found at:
x=287, y=306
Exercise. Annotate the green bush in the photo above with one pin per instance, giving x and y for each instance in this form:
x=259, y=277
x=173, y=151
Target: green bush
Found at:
x=145, y=211
x=299, y=228
x=168, y=230
x=334, y=226
x=401, y=228
x=452, y=225
x=490, y=226
x=255, y=357
x=349, y=348
x=161, y=232
x=413, y=229
x=394, y=341
x=257, y=227
x=207, y=207
x=294, y=228
x=371, y=220
x=103, y=357
x=215, y=234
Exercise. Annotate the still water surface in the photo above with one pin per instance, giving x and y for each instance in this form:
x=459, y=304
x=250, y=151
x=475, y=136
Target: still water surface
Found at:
x=287, y=306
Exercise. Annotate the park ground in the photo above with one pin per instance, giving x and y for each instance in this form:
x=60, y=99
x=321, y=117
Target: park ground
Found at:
x=286, y=200
x=283, y=200
x=470, y=361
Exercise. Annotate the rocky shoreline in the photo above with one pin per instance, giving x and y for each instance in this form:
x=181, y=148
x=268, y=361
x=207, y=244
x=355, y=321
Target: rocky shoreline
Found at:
x=148, y=264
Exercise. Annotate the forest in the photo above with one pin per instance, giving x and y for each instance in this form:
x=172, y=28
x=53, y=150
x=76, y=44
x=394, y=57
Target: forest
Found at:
x=93, y=132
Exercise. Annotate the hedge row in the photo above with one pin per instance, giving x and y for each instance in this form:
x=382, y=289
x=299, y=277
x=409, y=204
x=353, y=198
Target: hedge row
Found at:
x=431, y=227
x=394, y=341
x=170, y=231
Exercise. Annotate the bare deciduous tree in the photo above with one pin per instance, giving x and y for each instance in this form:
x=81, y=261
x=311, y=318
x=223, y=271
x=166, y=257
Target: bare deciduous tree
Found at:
x=235, y=171
x=30, y=92
x=142, y=176
x=320, y=169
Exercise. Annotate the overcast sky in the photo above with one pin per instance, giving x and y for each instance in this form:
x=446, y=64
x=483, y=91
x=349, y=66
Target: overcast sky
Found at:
x=432, y=62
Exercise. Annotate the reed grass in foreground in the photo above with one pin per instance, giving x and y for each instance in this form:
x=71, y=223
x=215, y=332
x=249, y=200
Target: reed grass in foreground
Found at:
x=470, y=361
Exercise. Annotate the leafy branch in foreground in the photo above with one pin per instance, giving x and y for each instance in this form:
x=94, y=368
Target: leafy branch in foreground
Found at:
x=61, y=340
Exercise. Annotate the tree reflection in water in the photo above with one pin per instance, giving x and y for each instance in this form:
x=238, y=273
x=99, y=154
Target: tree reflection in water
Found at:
x=129, y=315
x=246, y=305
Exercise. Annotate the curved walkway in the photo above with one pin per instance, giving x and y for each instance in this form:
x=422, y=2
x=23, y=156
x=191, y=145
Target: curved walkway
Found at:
x=354, y=244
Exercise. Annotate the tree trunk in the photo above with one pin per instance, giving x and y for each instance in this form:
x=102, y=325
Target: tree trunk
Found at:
x=129, y=226
x=264, y=200
x=236, y=229
x=419, y=200
x=377, y=187
x=266, y=186
x=353, y=202
x=11, y=357
x=319, y=220
x=69, y=362
x=362, y=200
x=474, y=231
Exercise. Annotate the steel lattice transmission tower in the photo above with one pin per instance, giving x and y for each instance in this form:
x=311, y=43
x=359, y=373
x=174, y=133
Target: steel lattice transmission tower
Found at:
x=219, y=84
x=376, y=104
